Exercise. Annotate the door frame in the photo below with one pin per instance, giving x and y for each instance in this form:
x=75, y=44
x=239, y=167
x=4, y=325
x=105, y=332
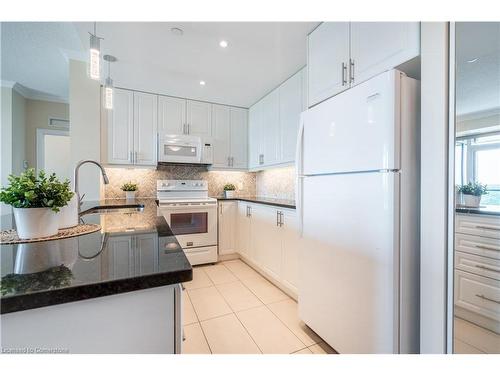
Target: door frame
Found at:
x=40, y=145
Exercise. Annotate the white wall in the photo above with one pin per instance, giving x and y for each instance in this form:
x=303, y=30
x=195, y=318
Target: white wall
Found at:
x=84, y=117
x=434, y=186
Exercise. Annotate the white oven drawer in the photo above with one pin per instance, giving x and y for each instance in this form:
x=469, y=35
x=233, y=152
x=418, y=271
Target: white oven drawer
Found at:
x=478, y=225
x=477, y=294
x=483, y=246
x=478, y=265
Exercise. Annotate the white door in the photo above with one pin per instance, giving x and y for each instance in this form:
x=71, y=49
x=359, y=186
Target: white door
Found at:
x=348, y=273
x=290, y=104
x=380, y=46
x=270, y=127
x=53, y=152
x=255, y=134
x=146, y=253
x=145, y=128
x=291, y=243
x=239, y=138
x=120, y=123
x=357, y=130
x=171, y=115
x=327, y=60
x=199, y=118
x=266, y=239
x=243, y=230
x=227, y=226
x=221, y=141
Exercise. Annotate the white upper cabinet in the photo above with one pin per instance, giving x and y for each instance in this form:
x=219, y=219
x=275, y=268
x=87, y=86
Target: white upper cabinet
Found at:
x=145, y=128
x=271, y=128
x=343, y=54
x=171, y=115
x=255, y=135
x=120, y=122
x=380, y=46
x=221, y=141
x=290, y=107
x=199, y=118
x=239, y=138
x=327, y=60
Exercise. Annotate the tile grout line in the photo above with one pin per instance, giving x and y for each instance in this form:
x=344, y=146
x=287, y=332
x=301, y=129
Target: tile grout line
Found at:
x=199, y=322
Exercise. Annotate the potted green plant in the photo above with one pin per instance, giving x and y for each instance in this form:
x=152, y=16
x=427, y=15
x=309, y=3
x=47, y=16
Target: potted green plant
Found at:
x=129, y=188
x=229, y=190
x=36, y=200
x=472, y=193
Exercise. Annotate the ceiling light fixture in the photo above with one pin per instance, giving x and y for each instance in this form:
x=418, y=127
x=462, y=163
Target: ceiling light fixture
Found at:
x=108, y=85
x=472, y=60
x=95, y=55
x=202, y=83
x=176, y=31
x=223, y=43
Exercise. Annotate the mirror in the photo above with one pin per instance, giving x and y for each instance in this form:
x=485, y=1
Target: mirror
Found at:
x=476, y=253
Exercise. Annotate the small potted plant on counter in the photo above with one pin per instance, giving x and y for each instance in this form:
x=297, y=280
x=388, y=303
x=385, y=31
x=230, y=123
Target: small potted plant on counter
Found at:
x=471, y=193
x=36, y=200
x=229, y=190
x=130, y=189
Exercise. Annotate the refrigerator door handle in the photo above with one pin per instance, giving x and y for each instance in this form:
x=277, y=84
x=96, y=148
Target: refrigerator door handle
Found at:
x=298, y=174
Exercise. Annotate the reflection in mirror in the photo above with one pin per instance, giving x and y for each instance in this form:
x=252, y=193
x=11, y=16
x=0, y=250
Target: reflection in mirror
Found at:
x=477, y=177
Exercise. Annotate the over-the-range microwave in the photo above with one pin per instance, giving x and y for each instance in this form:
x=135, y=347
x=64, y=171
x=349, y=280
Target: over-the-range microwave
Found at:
x=183, y=149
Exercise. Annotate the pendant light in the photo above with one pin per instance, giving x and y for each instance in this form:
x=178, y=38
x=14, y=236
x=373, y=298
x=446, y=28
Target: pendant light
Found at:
x=108, y=84
x=95, y=55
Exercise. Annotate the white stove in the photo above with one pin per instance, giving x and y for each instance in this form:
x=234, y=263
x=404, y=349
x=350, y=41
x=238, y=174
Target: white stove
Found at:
x=192, y=216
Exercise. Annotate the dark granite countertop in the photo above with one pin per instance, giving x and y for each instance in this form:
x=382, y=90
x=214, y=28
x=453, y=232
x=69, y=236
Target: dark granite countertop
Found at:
x=482, y=210
x=132, y=251
x=285, y=203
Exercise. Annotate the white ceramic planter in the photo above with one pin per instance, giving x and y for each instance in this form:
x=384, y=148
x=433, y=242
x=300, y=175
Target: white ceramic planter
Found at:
x=68, y=215
x=471, y=200
x=130, y=195
x=229, y=193
x=36, y=222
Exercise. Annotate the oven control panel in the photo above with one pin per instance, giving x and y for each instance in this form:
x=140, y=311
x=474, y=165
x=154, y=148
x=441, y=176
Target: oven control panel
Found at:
x=182, y=185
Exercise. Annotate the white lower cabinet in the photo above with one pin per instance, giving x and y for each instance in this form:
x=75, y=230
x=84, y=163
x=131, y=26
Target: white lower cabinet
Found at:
x=268, y=238
x=227, y=226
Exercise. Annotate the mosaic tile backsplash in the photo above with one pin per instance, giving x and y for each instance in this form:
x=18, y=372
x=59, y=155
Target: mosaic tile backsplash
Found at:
x=146, y=179
x=276, y=183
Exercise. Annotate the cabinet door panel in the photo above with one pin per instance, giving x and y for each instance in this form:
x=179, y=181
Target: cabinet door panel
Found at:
x=380, y=46
x=291, y=242
x=255, y=134
x=199, y=118
x=239, y=138
x=221, y=125
x=227, y=221
x=146, y=253
x=171, y=115
x=121, y=257
x=120, y=122
x=266, y=240
x=327, y=50
x=270, y=127
x=290, y=104
x=145, y=128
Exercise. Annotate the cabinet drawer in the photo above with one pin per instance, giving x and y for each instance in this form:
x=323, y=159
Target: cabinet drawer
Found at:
x=478, y=265
x=477, y=294
x=485, y=226
x=483, y=246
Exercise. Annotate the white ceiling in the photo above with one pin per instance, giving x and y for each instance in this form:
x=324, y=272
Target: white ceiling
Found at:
x=151, y=58
x=477, y=83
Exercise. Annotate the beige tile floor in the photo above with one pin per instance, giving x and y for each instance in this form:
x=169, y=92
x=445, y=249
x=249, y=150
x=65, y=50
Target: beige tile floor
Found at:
x=229, y=308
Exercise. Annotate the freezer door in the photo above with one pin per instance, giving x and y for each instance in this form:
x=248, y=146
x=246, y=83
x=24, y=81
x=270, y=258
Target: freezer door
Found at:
x=357, y=130
x=348, y=276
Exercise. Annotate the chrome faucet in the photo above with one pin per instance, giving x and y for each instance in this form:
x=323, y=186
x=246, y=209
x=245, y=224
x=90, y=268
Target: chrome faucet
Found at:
x=75, y=178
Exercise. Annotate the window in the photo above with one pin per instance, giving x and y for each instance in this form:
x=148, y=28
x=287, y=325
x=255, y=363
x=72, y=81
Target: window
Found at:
x=478, y=159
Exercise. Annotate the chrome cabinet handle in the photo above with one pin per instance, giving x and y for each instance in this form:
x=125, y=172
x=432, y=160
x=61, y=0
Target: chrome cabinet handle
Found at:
x=487, y=247
x=344, y=74
x=131, y=157
x=183, y=128
x=282, y=219
x=232, y=161
x=488, y=228
x=277, y=218
x=249, y=211
x=228, y=161
x=351, y=70
x=188, y=128
x=135, y=159
x=487, y=299
x=487, y=268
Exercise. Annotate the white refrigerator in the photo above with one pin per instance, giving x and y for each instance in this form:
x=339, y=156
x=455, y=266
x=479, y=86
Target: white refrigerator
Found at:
x=358, y=206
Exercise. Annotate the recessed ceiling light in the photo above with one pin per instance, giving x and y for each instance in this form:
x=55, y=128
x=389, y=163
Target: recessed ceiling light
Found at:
x=472, y=60
x=176, y=31
x=202, y=83
x=223, y=43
